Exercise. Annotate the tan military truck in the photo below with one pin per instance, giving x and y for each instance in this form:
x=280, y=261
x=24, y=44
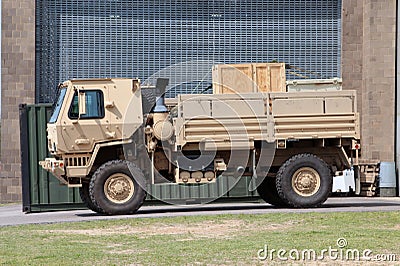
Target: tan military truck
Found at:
x=104, y=141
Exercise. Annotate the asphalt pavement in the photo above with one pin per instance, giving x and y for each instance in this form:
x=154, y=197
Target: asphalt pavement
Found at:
x=13, y=215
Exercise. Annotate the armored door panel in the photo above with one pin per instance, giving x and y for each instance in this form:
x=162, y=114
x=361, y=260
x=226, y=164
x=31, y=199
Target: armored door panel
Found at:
x=82, y=131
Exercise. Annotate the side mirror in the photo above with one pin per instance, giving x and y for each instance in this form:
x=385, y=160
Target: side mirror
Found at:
x=81, y=103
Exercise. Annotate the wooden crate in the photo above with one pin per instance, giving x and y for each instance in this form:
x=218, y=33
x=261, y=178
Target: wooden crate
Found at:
x=368, y=193
x=368, y=190
x=368, y=177
x=368, y=187
x=369, y=168
x=247, y=78
x=369, y=174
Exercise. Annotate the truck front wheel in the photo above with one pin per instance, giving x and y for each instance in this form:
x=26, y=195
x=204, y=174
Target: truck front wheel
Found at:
x=304, y=181
x=117, y=187
x=85, y=197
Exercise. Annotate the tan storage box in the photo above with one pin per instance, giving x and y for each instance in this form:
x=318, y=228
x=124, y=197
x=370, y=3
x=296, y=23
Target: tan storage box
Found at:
x=245, y=78
x=334, y=84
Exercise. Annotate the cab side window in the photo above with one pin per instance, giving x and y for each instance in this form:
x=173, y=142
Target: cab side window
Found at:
x=94, y=105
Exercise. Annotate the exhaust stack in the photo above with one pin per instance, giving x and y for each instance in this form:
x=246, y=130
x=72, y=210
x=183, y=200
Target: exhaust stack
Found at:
x=160, y=100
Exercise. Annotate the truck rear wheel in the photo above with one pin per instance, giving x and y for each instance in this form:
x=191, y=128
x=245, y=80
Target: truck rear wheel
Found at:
x=85, y=197
x=117, y=187
x=304, y=181
x=268, y=192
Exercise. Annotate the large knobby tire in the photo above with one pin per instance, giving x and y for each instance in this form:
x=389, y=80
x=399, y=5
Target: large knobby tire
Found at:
x=85, y=197
x=304, y=181
x=118, y=187
x=268, y=192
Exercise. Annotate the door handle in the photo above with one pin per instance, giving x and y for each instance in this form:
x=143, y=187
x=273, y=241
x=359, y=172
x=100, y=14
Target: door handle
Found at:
x=82, y=141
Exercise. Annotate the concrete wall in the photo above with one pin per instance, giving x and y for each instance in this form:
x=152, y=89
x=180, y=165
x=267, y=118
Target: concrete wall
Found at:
x=18, y=86
x=368, y=66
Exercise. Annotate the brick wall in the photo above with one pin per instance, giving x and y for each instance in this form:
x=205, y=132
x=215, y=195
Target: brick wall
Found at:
x=368, y=66
x=18, y=86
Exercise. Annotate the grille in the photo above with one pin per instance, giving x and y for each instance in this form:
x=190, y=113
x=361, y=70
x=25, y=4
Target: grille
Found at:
x=81, y=160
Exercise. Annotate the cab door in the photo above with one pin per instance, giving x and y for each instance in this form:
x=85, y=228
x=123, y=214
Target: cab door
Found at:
x=84, y=128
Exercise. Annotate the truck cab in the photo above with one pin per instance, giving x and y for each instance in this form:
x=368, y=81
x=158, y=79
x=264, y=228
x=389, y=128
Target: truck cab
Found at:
x=85, y=117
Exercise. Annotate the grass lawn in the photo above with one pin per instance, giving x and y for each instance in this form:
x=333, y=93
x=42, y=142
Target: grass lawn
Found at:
x=197, y=240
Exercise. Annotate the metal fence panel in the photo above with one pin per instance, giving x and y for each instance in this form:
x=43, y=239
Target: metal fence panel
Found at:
x=127, y=38
x=41, y=190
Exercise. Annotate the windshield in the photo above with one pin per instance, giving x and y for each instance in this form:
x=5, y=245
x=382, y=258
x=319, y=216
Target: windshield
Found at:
x=57, y=107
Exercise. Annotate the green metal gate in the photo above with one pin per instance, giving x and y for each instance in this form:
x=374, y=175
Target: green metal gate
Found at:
x=43, y=192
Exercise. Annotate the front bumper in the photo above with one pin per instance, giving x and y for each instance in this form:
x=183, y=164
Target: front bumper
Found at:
x=56, y=167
